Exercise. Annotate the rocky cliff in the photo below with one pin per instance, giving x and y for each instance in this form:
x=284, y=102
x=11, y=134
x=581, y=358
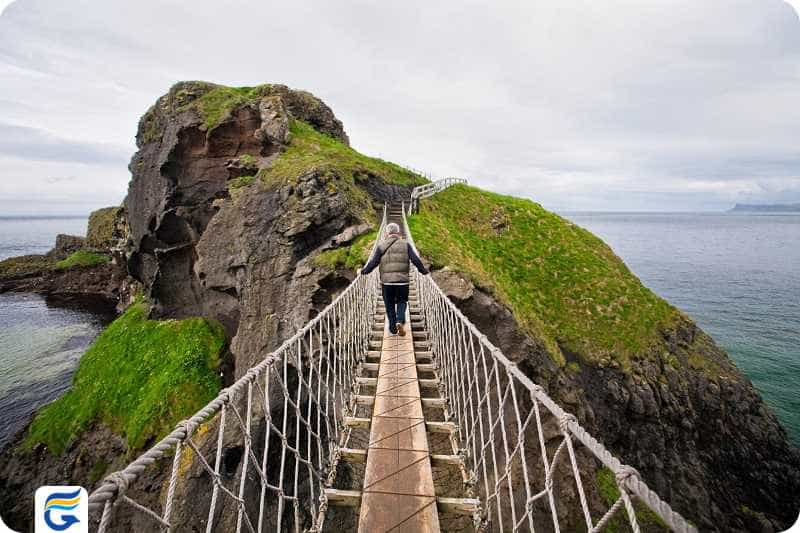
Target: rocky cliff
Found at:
x=237, y=197
x=234, y=192
x=248, y=208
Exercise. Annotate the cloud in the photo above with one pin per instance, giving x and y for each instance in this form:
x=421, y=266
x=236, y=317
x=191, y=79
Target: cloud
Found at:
x=38, y=145
x=669, y=104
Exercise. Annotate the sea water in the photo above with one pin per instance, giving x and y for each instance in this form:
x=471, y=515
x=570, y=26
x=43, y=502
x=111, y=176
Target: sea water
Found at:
x=737, y=276
x=40, y=342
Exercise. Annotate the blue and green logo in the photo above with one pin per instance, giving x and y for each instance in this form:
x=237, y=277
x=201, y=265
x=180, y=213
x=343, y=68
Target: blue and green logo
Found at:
x=61, y=509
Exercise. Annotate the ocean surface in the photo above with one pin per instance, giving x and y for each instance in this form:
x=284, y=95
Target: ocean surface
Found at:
x=40, y=343
x=736, y=275
x=35, y=235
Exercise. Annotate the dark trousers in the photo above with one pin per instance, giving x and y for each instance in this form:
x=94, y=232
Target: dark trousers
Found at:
x=395, y=298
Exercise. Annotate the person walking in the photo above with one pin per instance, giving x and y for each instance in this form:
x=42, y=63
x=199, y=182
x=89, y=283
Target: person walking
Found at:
x=393, y=254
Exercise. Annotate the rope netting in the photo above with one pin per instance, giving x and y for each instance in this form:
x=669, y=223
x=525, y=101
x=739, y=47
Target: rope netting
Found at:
x=268, y=446
x=520, y=448
x=284, y=422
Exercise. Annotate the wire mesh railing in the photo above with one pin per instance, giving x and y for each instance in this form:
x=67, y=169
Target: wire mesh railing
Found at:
x=522, y=451
x=267, y=446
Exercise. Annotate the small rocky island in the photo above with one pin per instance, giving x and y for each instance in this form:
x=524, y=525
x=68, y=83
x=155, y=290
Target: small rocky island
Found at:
x=248, y=212
x=765, y=208
x=88, y=268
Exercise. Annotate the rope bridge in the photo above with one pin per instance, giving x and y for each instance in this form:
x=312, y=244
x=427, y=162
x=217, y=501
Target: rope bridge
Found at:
x=293, y=420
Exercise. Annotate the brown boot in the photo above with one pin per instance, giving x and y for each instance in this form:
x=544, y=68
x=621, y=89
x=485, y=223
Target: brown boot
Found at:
x=401, y=329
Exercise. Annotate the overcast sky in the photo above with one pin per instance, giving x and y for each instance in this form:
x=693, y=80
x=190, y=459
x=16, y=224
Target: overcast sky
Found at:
x=577, y=104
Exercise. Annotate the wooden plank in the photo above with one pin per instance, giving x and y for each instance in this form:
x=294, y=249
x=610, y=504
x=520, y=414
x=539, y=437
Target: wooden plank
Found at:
x=434, y=402
x=354, y=455
x=348, y=498
x=398, y=492
x=467, y=506
x=363, y=399
x=355, y=422
x=446, y=460
x=441, y=427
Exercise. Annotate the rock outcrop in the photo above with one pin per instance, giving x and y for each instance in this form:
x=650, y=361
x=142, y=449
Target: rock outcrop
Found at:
x=209, y=237
x=212, y=227
x=100, y=274
x=66, y=245
x=107, y=229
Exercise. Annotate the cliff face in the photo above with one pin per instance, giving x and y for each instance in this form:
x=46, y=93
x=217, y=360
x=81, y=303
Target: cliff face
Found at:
x=638, y=374
x=233, y=192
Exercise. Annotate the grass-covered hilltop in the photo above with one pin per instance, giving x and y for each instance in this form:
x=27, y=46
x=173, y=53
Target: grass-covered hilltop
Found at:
x=564, y=285
x=248, y=212
x=639, y=374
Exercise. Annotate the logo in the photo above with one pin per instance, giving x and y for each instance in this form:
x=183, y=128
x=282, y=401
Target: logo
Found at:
x=62, y=509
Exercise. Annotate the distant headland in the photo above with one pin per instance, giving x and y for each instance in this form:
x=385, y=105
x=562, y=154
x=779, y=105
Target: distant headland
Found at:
x=765, y=208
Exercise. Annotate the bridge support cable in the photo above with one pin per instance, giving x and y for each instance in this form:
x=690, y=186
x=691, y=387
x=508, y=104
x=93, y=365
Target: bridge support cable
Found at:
x=518, y=445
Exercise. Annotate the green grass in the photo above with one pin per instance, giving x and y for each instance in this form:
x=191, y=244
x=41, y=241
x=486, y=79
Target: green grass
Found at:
x=607, y=488
x=140, y=377
x=217, y=104
x=563, y=284
x=82, y=259
x=311, y=150
x=248, y=160
x=352, y=257
x=25, y=265
x=241, y=181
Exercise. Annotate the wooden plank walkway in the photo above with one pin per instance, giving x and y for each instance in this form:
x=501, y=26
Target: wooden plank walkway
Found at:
x=398, y=493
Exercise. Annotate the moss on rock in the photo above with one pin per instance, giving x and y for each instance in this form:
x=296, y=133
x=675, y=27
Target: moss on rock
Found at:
x=101, y=231
x=140, y=377
x=82, y=259
x=309, y=150
x=351, y=257
x=25, y=265
x=609, y=492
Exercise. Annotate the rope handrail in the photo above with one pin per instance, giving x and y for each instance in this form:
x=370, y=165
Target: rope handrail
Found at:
x=333, y=344
x=470, y=368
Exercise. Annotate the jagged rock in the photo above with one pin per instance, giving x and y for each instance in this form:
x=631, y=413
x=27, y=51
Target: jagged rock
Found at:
x=65, y=245
x=107, y=229
x=274, y=121
x=453, y=285
x=347, y=236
